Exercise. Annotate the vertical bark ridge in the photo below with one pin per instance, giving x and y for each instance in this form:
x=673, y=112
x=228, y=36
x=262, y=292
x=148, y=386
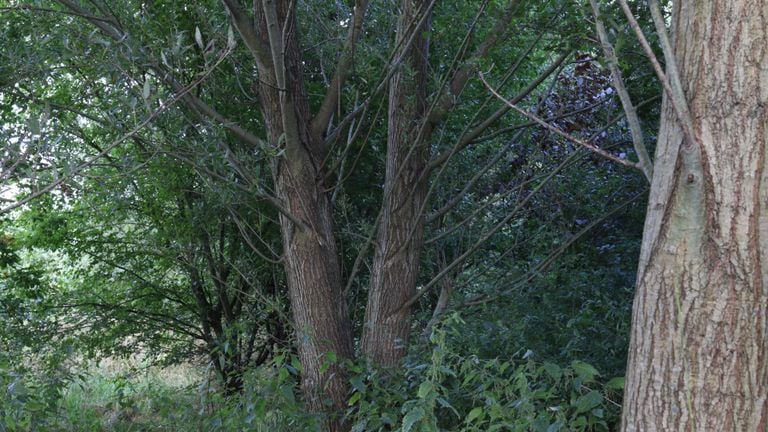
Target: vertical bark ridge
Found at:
x=310, y=253
x=698, y=356
x=400, y=233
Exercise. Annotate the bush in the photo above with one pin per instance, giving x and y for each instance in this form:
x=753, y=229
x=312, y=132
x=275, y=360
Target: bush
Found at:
x=455, y=392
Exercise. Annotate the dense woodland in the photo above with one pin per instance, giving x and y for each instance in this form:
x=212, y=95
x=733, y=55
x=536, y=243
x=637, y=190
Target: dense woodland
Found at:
x=383, y=215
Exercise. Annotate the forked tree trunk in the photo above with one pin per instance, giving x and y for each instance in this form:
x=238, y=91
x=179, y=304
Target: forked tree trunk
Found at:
x=399, y=238
x=310, y=256
x=698, y=358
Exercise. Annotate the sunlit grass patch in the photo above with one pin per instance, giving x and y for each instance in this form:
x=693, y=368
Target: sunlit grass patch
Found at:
x=127, y=395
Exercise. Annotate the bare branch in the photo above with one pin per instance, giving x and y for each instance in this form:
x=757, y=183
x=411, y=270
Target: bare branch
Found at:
x=565, y=135
x=471, y=134
x=324, y=113
x=244, y=25
x=626, y=102
x=672, y=84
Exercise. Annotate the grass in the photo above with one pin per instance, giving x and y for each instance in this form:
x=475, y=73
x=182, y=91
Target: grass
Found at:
x=127, y=395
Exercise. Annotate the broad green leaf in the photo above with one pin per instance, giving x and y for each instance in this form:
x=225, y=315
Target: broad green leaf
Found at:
x=616, y=383
x=475, y=413
x=424, y=389
x=357, y=383
x=584, y=370
x=355, y=397
x=553, y=370
x=588, y=401
x=412, y=418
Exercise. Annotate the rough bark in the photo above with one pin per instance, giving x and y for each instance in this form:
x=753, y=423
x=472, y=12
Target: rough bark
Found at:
x=400, y=236
x=309, y=247
x=698, y=358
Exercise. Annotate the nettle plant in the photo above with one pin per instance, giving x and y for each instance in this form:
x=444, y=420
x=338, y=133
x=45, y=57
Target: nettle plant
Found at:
x=455, y=392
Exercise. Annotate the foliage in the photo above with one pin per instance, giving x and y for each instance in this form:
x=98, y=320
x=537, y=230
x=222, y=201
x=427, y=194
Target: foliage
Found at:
x=149, y=247
x=440, y=389
x=452, y=391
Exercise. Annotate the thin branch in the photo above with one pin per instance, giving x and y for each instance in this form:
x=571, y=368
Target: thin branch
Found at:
x=626, y=101
x=471, y=134
x=343, y=68
x=531, y=274
x=108, y=26
x=81, y=13
x=475, y=246
x=244, y=25
x=671, y=82
x=164, y=106
x=396, y=58
x=449, y=97
x=557, y=131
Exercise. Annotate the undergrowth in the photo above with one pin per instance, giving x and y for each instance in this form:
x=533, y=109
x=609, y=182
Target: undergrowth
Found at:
x=439, y=390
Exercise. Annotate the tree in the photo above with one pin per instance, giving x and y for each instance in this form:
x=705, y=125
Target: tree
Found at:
x=290, y=109
x=698, y=357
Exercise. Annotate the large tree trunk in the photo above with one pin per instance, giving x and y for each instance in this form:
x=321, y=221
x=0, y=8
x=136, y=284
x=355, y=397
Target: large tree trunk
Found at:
x=309, y=246
x=400, y=233
x=698, y=358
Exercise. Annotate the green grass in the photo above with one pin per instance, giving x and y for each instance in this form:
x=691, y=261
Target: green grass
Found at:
x=125, y=395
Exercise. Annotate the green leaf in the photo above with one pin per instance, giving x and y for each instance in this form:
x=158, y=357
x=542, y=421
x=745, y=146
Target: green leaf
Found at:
x=425, y=389
x=555, y=427
x=588, y=401
x=296, y=364
x=475, y=413
x=230, y=38
x=616, y=383
x=580, y=422
x=34, y=125
x=553, y=370
x=412, y=418
x=199, y=38
x=584, y=370
x=357, y=383
x=147, y=89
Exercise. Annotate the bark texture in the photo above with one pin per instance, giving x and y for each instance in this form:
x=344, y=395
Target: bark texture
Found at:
x=400, y=233
x=309, y=246
x=698, y=358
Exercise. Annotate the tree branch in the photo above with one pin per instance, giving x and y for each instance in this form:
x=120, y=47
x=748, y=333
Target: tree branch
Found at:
x=565, y=135
x=618, y=83
x=324, y=113
x=470, y=135
x=244, y=25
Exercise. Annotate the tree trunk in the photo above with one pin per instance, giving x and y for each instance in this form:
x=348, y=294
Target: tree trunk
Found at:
x=400, y=233
x=309, y=246
x=698, y=358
